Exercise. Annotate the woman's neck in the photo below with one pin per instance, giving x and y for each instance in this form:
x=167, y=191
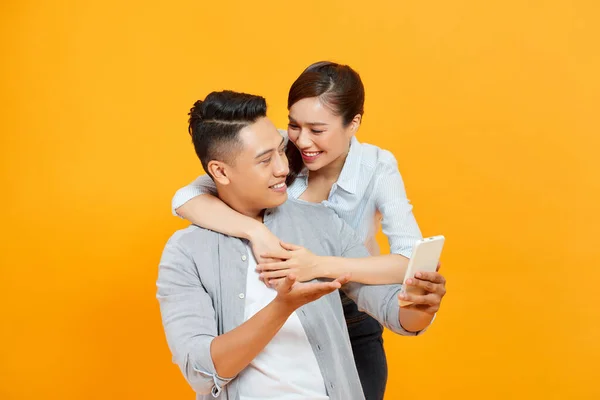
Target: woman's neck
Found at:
x=329, y=173
x=321, y=181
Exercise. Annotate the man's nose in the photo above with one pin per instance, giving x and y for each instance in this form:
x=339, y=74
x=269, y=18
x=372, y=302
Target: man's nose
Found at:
x=282, y=167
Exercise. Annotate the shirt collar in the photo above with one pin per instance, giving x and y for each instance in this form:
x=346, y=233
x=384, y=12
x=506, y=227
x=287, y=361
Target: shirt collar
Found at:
x=349, y=176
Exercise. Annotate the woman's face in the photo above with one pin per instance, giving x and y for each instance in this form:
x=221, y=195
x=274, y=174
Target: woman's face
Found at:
x=318, y=133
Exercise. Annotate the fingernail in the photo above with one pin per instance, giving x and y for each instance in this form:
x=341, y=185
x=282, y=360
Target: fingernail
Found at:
x=418, y=274
x=409, y=281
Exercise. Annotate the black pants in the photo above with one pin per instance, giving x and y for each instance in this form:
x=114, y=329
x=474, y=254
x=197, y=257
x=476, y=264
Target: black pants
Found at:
x=367, y=346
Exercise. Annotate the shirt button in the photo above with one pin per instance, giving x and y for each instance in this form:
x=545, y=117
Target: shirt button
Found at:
x=244, y=257
x=319, y=347
x=241, y=295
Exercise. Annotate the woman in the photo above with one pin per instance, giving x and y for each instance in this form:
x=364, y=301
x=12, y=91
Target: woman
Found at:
x=360, y=182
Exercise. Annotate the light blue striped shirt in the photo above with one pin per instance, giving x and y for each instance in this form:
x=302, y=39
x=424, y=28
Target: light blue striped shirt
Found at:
x=368, y=193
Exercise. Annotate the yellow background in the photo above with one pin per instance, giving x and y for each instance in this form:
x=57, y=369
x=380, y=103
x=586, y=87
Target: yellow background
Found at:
x=491, y=108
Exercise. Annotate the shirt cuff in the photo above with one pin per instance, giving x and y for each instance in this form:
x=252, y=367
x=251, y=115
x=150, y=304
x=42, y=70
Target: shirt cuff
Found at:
x=203, y=364
x=394, y=318
x=218, y=382
x=182, y=196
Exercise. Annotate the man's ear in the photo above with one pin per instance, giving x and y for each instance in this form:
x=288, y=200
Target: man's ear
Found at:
x=219, y=171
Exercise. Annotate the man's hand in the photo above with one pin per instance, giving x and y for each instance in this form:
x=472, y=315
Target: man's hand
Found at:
x=433, y=287
x=234, y=350
x=293, y=295
x=299, y=262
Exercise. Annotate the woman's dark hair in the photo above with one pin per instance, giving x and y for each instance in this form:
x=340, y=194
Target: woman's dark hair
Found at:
x=215, y=123
x=338, y=87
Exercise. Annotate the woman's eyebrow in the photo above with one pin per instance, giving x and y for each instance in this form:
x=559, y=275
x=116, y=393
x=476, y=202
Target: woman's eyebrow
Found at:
x=308, y=123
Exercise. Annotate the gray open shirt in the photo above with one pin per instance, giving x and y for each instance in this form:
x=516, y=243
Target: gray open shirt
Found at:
x=201, y=290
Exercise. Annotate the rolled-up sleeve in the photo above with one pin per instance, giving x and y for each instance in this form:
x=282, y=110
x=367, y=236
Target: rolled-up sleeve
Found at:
x=188, y=319
x=398, y=221
x=202, y=185
x=379, y=301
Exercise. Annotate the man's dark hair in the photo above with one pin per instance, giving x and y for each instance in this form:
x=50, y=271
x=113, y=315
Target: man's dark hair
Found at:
x=216, y=121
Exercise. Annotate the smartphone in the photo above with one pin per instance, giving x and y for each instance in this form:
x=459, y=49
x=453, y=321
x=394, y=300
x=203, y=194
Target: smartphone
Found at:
x=425, y=258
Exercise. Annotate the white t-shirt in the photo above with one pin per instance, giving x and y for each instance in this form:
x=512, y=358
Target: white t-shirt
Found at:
x=287, y=368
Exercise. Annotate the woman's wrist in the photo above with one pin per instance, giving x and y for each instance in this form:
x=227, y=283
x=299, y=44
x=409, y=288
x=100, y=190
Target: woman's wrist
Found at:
x=326, y=267
x=254, y=230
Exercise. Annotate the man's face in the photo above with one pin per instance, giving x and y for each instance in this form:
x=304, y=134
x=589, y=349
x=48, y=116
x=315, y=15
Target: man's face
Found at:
x=257, y=175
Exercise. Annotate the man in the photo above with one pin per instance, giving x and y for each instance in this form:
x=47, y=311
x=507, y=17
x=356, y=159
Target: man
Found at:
x=235, y=338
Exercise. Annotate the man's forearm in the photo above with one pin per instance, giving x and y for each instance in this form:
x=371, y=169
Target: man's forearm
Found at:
x=234, y=350
x=377, y=270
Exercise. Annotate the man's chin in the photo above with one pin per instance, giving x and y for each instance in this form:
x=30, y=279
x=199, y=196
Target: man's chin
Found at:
x=277, y=200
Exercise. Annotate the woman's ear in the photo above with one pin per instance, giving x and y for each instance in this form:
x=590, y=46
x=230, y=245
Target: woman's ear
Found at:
x=355, y=124
x=218, y=170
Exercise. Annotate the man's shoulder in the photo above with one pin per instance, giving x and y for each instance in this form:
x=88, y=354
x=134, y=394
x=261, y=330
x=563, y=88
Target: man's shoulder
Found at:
x=311, y=225
x=313, y=218
x=304, y=210
x=191, y=235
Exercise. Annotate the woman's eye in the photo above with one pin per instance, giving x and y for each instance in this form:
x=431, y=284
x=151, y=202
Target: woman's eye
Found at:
x=268, y=160
x=316, y=132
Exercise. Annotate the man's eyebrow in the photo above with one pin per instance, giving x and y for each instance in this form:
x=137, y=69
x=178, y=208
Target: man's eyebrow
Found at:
x=262, y=153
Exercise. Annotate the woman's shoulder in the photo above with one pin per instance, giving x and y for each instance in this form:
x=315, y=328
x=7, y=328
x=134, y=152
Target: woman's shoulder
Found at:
x=284, y=133
x=377, y=158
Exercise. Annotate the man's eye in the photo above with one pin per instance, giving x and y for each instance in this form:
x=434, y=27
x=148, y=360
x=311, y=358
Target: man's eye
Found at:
x=316, y=132
x=268, y=160
x=292, y=126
